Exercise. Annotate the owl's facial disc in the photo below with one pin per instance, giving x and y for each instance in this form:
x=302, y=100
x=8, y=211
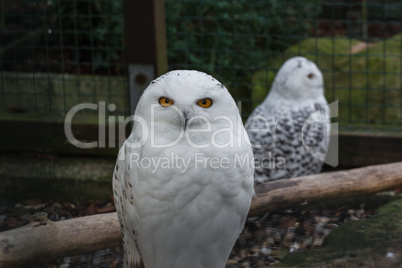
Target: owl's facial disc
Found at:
x=184, y=113
x=188, y=118
x=190, y=115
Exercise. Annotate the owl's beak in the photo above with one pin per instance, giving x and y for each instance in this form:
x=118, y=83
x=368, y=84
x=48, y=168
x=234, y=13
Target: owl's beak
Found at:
x=184, y=115
x=187, y=116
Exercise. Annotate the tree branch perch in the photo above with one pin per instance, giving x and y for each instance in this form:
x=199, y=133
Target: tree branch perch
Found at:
x=42, y=241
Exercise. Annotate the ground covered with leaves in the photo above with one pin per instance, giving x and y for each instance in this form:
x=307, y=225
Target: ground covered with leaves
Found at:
x=265, y=241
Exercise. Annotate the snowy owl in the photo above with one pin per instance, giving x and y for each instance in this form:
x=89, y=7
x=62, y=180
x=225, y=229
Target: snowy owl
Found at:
x=183, y=180
x=290, y=130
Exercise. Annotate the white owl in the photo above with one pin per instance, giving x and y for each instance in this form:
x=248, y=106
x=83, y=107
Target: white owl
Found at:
x=183, y=181
x=290, y=130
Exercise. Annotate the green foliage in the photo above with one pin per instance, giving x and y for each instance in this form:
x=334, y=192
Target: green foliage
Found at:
x=232, y=38
x=85, y=34
x=97, y=25
x=366, y=82
x=376, y=9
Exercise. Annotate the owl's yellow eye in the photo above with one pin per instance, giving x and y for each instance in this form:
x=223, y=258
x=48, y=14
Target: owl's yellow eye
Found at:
x=165, y=102
x=205, y=103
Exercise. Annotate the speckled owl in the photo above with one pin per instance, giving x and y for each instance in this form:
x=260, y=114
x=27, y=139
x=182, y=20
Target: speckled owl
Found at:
x=290, y=129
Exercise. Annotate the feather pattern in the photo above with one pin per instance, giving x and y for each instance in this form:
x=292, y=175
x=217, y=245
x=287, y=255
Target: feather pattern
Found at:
x=291, y=126
x=179, y=206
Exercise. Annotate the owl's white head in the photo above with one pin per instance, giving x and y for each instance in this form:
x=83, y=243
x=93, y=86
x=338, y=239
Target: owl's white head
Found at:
x=186, y=101
x=298, y=79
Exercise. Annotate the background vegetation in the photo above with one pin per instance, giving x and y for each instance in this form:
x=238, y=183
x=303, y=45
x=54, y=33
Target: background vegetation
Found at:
x=241, y=43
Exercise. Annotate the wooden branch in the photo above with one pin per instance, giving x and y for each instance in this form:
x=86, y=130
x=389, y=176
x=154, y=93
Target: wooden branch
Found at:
x=325, y=186
x=43, y=240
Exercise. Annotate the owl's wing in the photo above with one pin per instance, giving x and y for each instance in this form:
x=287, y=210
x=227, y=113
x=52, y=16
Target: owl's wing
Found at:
x=280, y=148
x=325, y=113
x=123, y=177
x=300, y=138
x=258, y=128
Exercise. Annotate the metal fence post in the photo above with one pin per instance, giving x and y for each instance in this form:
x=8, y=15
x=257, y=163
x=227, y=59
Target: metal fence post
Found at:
x=145, y=41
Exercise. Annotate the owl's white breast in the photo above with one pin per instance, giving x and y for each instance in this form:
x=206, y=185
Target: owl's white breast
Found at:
x=191, y=211
x=275, y=103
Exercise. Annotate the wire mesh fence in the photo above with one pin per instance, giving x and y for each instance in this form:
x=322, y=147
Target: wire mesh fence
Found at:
x=356, y=44
x=56, y=54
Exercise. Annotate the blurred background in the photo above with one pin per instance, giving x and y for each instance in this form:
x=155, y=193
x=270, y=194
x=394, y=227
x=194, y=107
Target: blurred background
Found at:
x=57, y=54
